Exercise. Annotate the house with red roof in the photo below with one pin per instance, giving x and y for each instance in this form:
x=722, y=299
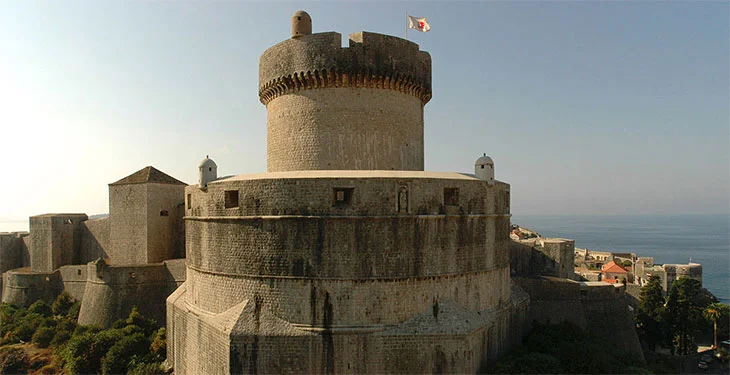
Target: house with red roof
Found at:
x=614, y=273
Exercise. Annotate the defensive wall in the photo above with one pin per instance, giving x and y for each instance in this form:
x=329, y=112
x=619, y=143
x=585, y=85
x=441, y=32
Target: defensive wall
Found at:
x=369, y=87
x=549, y=257
x=112, y=291
x=14, y=251
x=68, y=252
x=599, y=308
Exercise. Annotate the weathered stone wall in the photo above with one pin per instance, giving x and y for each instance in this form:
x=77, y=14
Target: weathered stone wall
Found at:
x=374, y=193
x=73, y=280
x=563, y=252
x=94, y=241
x=128, y=224
x=22, y=287
x=55, y=239
x=351, y=108
x=164, y=215
x=345, y=128
x=112, y=291
x=443, y=338
x=12, y=248
x=597, y=307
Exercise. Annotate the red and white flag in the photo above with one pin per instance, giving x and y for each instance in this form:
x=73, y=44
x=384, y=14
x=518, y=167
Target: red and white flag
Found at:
x=420, y=24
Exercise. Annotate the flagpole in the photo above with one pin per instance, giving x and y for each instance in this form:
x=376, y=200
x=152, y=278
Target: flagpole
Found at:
x=406, y=25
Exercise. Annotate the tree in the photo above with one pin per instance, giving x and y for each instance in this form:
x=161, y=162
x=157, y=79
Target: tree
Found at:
x=714, y=312
x=649, y=315
x=683, y=313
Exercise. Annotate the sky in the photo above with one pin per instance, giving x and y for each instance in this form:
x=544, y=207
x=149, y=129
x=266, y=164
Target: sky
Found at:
x=586, y=107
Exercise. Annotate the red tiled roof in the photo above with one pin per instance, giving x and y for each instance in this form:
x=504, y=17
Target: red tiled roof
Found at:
x=612, y=267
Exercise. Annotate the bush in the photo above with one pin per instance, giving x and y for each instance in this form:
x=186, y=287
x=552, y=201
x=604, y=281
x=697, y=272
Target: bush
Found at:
x=40, y=307
x=73, y=312
x=60, y=338
x=154, y=368
x=43, y=336
x=117, y=359
x=13, y=361
x=158, y=347
x=62, y=304
x=26, y=326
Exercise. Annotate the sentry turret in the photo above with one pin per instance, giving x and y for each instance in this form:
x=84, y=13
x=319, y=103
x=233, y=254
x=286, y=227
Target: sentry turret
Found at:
x=207, y=172
x=484, y=169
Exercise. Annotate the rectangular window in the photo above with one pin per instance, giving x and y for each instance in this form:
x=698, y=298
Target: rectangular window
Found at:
x=164, y=213
x=190, y=201
x=451, y=196
x=342, y=196
x=231, y=198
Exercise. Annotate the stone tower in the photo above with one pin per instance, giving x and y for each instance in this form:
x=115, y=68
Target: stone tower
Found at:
x=143, y=213
x=346, y=257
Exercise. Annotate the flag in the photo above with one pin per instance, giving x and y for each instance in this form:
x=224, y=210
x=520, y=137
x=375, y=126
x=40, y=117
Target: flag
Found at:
x=420, y=24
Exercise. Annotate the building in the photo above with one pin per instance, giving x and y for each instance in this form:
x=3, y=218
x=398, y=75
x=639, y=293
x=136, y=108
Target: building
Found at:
x=668, y=273
x=345, y=256
x=614, y=273
x=133, y=257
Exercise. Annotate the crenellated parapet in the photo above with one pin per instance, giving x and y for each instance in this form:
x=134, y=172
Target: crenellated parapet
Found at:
x=318, y=61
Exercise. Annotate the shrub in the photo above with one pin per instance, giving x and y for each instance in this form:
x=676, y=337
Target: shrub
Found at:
x=26, y=327
x=154, y=368
x=158, y=347
x=80, y=330
x=60, y=338
x=117, y=359
x=62, y=304
x=40, y=307
x=43, y=336
x=73, y=311
x=13, y=361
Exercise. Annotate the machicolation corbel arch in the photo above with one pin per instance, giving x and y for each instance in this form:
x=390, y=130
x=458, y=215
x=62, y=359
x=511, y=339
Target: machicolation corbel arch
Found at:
x=371, y=61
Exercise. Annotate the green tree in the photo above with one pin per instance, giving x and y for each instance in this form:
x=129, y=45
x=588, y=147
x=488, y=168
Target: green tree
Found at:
x=683, y=313
x=715, y=312
x=649, y=314
x=63, y=304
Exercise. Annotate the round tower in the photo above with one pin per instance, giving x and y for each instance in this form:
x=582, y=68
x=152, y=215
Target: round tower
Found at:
x=207, y=172
x=301, y=24
x=353, y=108
x=484, y=169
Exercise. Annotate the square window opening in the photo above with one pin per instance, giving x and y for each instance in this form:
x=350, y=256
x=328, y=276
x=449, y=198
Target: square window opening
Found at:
x=164, y=213
x=231, y=198
x=451, y=196
x=342, y=196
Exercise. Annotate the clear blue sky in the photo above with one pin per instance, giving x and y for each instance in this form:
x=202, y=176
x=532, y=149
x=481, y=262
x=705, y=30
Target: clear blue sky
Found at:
x=586, y=107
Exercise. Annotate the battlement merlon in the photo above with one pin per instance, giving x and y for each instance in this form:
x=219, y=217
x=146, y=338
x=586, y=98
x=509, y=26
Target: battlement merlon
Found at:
x=371, y=60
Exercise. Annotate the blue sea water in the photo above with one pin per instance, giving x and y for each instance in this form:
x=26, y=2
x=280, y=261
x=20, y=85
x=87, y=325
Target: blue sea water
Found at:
x=704, y=239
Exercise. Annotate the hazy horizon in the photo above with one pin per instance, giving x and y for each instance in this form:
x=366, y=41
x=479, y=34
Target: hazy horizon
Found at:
x=587, y=108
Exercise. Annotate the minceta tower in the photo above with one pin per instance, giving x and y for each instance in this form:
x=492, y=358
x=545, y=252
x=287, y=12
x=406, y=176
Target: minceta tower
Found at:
x=345, y=256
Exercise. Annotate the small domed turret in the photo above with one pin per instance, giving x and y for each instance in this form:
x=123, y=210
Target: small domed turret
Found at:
x=484, y=169
x=207, y=172
x=301, y=24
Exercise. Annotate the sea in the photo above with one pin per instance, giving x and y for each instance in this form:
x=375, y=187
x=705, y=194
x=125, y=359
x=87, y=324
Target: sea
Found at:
x=703, y=239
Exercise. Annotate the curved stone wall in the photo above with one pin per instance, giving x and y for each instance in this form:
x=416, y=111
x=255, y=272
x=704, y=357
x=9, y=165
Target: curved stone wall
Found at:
x=354, y=302
x=355, y=108
x=345, y=128
x=374, y=193
x=22, y=287
x=351, y=248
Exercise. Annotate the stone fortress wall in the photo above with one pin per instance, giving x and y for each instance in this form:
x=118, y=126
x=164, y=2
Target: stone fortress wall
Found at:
x=313, y=88
x=137, y=269
x=346, y=256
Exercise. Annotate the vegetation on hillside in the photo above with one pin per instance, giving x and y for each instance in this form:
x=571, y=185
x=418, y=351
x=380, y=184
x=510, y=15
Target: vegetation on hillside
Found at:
x=674, y=320
x=131, y=346
x=566, y=349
